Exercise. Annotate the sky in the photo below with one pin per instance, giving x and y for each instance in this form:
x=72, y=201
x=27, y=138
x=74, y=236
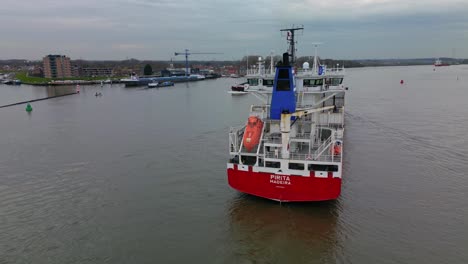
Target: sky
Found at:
x=155, y=29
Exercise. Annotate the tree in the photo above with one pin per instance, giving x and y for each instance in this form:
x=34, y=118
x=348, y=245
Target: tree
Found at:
x=148, y=70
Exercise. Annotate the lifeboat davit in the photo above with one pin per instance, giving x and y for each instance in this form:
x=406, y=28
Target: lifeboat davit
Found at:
x=252, y=133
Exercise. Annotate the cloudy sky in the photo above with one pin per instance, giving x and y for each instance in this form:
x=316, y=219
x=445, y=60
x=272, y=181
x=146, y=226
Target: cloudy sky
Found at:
x=155, y=29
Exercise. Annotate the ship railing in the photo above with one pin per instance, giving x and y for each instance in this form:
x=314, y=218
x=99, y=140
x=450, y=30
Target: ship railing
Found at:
x=272, y=140
x=271, y=121
x=272, y=155
x=276, y=138
x=322, y=148
x=331, y=158
x=304, y=157
x=260, y=109
x=262, y=72
x=300, y=156
x=328, y=71
x=235, y=137
x=338, y=70
x=259, y=146
x=301, y=136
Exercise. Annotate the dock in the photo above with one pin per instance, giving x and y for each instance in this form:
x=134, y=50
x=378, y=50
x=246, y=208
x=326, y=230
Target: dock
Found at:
x=40, y=99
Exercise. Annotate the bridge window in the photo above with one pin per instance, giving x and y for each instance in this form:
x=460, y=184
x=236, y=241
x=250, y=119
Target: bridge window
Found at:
x=336, y=81
x=252, y=82
x=272, y=164
x=322, y=167
x=296, y=166
x=268, y=83
x=312, y=82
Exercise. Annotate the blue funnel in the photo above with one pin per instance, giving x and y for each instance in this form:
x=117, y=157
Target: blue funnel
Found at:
x=283, y=99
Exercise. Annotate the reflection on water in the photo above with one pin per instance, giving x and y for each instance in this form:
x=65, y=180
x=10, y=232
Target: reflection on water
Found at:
x=264, y=231
x=60, y=90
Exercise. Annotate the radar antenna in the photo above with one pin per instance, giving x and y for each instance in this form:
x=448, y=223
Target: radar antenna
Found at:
x=290, y=37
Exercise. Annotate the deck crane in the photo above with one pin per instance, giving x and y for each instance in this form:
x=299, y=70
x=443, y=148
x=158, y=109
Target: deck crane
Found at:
x=187, y=53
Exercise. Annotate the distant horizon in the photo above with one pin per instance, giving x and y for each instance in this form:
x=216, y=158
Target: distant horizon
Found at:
x=155, y=29
x=183, y=60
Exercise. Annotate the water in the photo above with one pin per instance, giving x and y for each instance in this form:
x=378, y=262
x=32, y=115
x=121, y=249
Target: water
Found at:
x=139, y=176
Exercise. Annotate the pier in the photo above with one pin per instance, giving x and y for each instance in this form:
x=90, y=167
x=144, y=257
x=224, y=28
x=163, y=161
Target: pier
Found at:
x=35, y=100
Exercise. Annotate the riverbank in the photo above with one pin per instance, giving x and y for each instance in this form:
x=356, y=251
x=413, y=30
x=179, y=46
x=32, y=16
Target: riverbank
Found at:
x=31, y=80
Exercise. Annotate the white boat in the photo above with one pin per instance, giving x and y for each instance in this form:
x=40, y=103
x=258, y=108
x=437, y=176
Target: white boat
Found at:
x=239, y=89
x=197, y=76
x=153, y=85
x=237, y=92
x=259, y=77
x=439, y=63
x=160, y=84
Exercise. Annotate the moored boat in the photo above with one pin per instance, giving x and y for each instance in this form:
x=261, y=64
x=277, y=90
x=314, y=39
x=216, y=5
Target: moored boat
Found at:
x=160, y=84
x=11, y=82
x=164, y=84
x=153, y=85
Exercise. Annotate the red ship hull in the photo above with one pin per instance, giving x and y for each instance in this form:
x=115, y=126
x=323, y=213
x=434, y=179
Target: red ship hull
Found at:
x=285, y=188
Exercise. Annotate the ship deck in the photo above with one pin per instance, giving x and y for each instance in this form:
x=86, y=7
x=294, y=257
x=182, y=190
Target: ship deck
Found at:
x=305, y=146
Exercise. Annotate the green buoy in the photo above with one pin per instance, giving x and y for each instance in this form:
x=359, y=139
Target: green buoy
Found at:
x=28, y=108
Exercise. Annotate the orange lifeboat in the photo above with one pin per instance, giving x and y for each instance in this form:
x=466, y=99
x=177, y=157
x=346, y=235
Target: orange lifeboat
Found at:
x=252, y=133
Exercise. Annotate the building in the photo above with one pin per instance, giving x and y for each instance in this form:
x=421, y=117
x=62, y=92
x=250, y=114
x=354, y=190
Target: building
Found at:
x=35, y=71
x=57, y=66
x=174, y=72
x=94, y=72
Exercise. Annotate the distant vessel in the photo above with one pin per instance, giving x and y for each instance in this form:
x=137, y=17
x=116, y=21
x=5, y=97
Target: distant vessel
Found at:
x=239, y=89
x=132, y=81
x=197, y=76
x=439, y=63
x=260, y=78
x=290, y=149
x=136, y=81
x=159, y=84
x=12, y=82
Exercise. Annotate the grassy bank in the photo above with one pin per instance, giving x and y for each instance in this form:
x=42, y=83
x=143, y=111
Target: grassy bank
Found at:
x=26, y=79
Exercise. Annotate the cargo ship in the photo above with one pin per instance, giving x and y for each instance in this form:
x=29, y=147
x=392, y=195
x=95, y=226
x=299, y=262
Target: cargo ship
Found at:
x=439, y=63
x=291, y=147
x=137, y=81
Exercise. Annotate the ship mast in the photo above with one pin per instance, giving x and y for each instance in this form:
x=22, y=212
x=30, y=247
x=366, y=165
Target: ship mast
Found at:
x=316, y=63
x=291, y=42
x=271, y=62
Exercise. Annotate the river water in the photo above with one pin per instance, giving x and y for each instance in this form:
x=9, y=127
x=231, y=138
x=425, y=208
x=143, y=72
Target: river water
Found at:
x=139, y=176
